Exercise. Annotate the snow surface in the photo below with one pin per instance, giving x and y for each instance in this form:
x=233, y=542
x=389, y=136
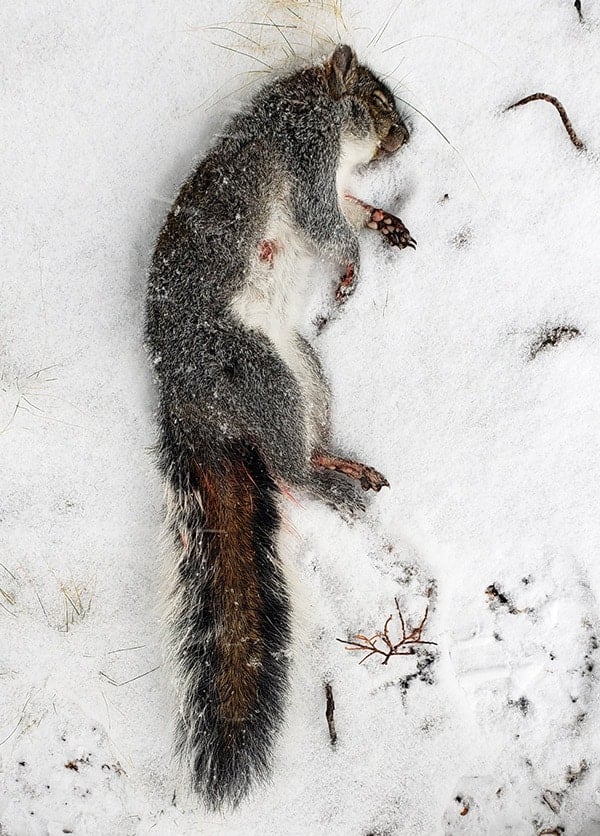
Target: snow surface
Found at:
x=493, y=457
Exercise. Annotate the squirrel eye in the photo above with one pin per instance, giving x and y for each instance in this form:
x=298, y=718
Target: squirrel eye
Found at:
x=382, y=99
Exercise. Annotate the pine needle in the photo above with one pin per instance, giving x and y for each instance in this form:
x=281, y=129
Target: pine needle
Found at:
x=380, y=32
x=282, y=33
x=241, y=52
x=233, y=32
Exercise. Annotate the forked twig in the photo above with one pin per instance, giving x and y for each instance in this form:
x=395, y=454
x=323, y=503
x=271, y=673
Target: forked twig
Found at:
x=546, y=97
x=404, y=647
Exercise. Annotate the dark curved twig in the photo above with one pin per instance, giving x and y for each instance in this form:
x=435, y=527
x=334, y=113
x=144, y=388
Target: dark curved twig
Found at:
x=546, y=97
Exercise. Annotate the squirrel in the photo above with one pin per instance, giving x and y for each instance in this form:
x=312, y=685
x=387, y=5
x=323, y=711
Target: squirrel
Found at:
x=243, y=404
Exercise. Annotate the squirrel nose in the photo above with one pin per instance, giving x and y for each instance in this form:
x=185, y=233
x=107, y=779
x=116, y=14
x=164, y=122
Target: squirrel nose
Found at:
x=396, y=137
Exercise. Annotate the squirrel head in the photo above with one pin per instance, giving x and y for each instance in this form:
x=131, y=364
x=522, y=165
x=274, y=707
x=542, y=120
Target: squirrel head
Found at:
x=347, y=79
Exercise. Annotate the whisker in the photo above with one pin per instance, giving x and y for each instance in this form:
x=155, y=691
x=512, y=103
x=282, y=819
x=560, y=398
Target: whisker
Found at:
x=443, y=38
x=444, y=137
x=390, y=74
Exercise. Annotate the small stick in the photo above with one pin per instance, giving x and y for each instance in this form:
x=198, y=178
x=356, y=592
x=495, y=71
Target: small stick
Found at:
x=8, y=736
x=562, y=113
x=329, y=713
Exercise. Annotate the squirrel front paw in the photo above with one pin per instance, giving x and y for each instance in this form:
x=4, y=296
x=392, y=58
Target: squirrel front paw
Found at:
x=392, y=228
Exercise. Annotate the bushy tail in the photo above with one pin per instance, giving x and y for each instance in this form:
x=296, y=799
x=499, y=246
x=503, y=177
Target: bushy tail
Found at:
x=229, y=620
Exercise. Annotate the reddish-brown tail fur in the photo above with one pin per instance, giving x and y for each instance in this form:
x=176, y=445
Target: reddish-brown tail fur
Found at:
x=229, y=615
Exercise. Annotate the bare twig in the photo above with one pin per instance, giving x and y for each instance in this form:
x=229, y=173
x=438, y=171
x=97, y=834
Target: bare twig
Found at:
x=545, y=97
x=329, y=713
x=404, y=647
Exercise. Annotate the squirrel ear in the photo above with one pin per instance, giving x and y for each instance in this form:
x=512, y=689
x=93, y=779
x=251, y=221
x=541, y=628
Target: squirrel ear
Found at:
x=343, y=66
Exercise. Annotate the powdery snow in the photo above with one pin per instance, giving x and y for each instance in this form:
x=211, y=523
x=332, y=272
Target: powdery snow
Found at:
x=493, y=457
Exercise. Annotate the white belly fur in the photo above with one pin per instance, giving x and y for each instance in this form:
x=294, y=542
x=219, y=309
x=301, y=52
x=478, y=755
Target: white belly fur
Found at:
x=273, y=297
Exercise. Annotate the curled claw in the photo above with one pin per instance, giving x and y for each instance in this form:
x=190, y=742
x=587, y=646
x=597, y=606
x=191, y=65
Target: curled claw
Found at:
x=401, y=239
x=373, y=480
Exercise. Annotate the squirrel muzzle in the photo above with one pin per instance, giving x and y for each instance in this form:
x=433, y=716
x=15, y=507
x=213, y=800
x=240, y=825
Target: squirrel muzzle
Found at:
x=395, y=138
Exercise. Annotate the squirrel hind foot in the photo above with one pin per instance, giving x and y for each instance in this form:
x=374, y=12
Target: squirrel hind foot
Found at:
x=336, y=491
x=369, y=478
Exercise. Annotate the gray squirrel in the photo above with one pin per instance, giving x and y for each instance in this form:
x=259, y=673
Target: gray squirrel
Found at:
x=243, y=405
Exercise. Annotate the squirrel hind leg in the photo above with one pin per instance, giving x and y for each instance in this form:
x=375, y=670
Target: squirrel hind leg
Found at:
x=315, y=391
x=369, y=478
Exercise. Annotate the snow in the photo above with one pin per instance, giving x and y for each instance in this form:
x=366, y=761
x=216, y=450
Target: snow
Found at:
x=492, y=456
